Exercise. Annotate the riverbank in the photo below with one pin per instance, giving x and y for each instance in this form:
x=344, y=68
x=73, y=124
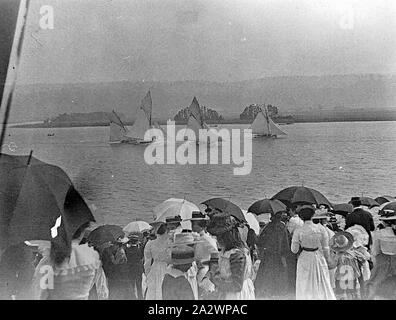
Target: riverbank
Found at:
x=298, y=119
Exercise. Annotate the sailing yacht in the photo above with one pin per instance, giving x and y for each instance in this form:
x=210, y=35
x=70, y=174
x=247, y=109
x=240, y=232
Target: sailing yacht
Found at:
x=135, y=135
x=195, y=122
x=264, y=126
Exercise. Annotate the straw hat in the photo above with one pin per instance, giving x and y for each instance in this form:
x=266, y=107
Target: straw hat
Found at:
x=264, y=218
x=198, y=215
x=341, y=241
x=388, y=215
x=182, y=254
x=214, y=257
x=320, y=214
x=176, y=219
x=184, y=238
x=360, y=235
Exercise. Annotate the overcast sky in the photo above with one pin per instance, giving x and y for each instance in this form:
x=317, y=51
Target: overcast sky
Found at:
x=221, y=40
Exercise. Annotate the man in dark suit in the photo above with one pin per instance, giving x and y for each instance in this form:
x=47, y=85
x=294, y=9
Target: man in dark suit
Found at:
x=360, y=217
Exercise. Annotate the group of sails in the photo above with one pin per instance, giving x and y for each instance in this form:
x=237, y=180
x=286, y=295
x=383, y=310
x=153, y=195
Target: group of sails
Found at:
x=262, y=126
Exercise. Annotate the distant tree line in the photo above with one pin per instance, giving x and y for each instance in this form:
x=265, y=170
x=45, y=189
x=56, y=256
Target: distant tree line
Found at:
x=82, y=117
x=250, y=112
x=207, y=113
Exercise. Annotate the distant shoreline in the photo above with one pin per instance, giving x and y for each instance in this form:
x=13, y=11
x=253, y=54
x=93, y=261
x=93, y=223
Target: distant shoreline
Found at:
x=297, y=119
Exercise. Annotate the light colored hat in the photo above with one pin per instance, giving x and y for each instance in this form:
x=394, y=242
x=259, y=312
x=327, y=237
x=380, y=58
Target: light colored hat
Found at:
x=198, y=215
x=264, y=218
x=182, y=254
x=360, y=235
x=388, y=215
x=341, y=241
x=123, y=240
x=171, y=220
x=214, y=257
x=320, y=214
x=184, y=238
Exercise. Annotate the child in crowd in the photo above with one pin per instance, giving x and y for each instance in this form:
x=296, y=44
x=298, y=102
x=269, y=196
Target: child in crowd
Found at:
x=348, y=261
x=180, y=280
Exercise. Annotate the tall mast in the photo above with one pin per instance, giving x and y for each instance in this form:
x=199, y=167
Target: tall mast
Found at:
x=267, y=118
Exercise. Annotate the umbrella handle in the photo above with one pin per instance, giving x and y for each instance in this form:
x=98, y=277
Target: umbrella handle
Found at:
x=30, y=157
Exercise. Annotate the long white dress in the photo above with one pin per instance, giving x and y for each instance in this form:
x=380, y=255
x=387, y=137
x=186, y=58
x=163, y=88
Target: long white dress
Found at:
x=247, y=292
x=332, y=271
x=313, y=279
x=156, y=259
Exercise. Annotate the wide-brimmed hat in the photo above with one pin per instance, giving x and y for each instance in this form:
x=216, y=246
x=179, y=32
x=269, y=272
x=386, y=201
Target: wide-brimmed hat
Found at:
x=387, y=215
x=214, y=258
x=332, y=219
x=123, y=240
x=360, y=235
x=320, y=214
x=135, y=236
x=185, y=238
x=198, y=215
x=220, y=223
x=263, y=218
x=341, y=241
x=170, y=220
x=182, y=254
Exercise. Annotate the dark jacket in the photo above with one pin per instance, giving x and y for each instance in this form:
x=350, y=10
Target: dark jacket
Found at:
x=362, y=218
x=176, y=288
x=272, y=275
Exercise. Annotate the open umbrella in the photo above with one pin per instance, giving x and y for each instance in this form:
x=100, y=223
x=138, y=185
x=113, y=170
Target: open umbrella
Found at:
x=225, y=206
x=301, y=195
x=342, y=209
x=368, y=202
x=389, y=206
x=38, y=202
x=267, y=206
x=136, y=226
x=174, y=207
x=104, y=234
x=252, y=221
x=384, y=199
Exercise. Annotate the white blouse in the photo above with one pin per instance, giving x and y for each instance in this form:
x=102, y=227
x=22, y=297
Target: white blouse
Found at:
x=386, y=235
x=310, y=236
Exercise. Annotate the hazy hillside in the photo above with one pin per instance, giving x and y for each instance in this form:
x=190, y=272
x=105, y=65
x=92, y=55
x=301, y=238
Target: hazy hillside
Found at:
x=291, y=94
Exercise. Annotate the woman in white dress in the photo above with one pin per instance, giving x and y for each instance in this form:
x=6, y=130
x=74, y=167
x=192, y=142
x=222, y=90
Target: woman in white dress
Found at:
x=322, y=218
x=234, y=279
x=156, y=259
x=311, y=241
x=383, y=253
x=75, y=271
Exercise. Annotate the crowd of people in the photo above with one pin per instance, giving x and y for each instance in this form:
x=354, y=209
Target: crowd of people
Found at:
x=304, y=252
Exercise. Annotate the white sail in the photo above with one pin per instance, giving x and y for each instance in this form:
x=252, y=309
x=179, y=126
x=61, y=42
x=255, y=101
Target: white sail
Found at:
x=147, y=105
x=143, y=119
x=265, y=126
x=195, y=120
x=140, y=126
x=260, y=125
x=194, y=125
x=116, y=132
x=275, y=129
